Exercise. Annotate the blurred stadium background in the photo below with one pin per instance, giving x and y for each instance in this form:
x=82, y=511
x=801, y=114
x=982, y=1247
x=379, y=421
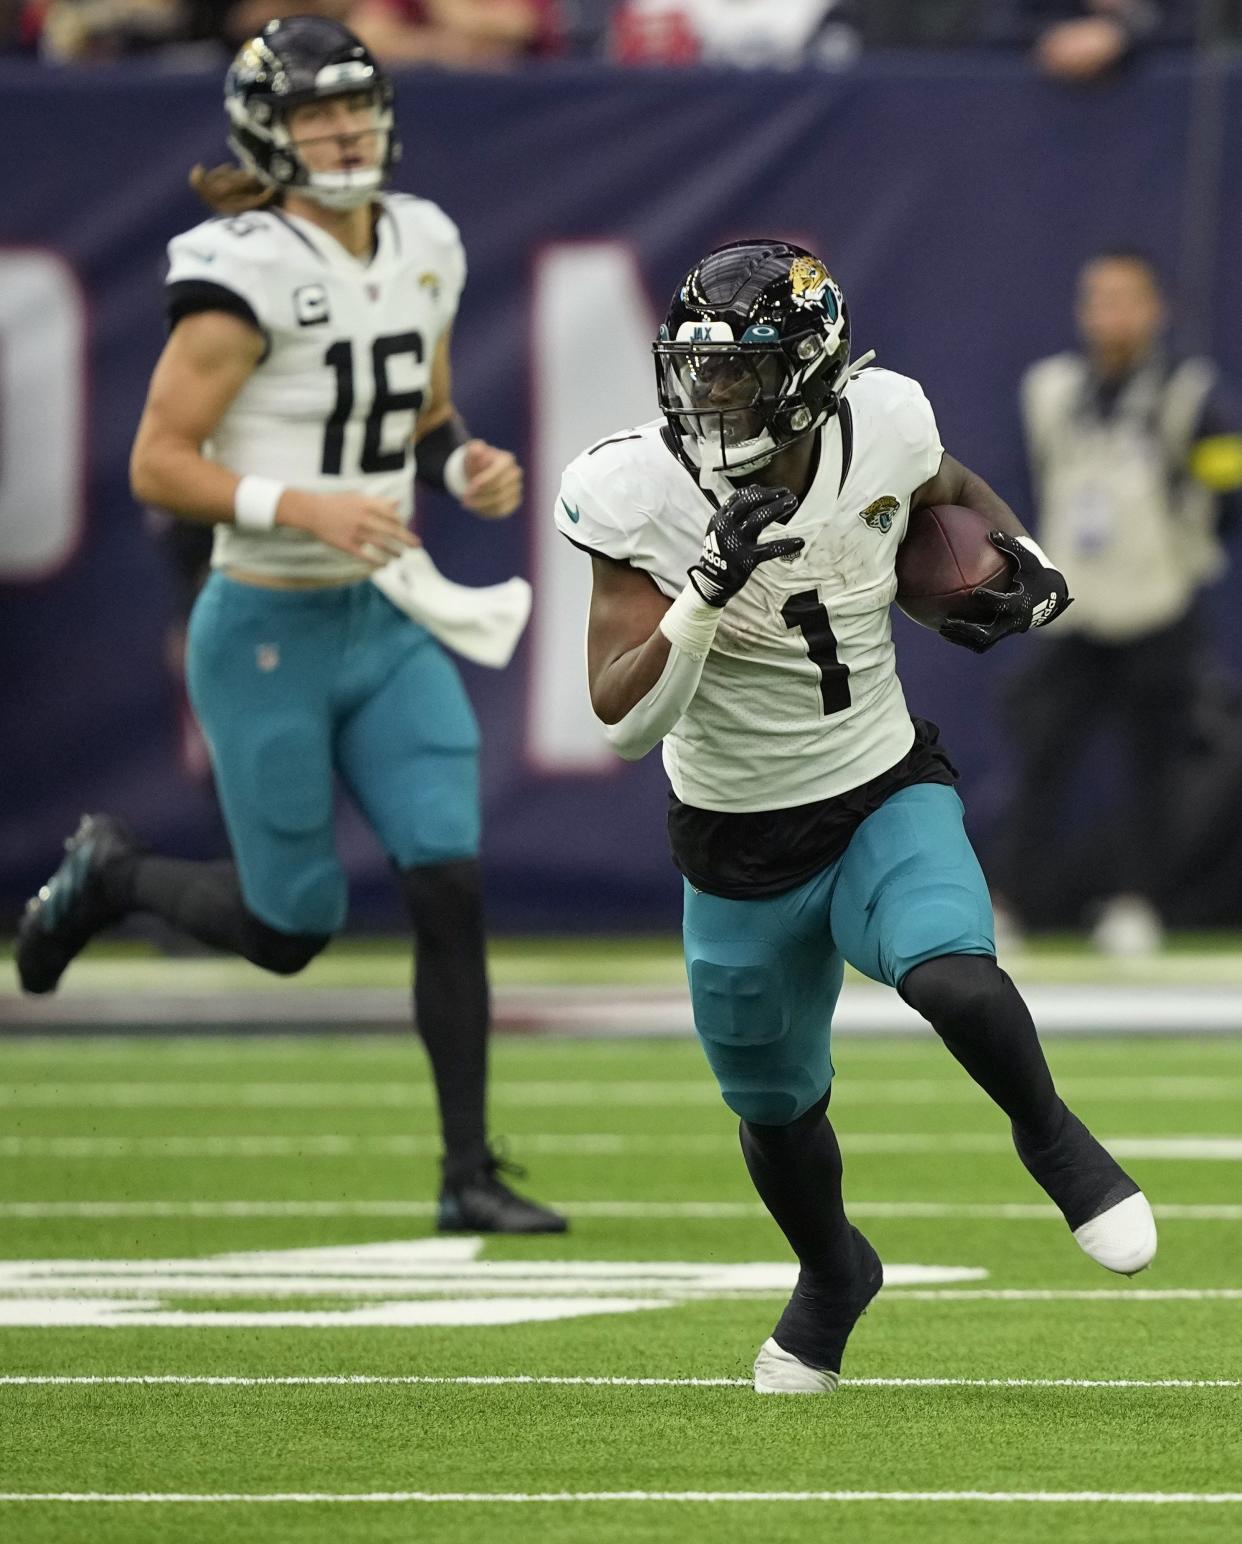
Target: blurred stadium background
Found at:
x=955, y=193
x=955, y=171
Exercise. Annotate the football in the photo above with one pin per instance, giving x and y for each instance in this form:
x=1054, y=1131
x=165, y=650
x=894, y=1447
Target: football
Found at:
x=946, y=555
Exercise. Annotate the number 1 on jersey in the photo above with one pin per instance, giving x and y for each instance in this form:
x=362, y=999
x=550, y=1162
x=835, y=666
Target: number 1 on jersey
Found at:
x=806, y=613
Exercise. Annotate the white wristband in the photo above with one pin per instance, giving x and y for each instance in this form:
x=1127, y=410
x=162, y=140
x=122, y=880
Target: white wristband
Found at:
x=255, y=501
x=691, y=623
x=455, y=479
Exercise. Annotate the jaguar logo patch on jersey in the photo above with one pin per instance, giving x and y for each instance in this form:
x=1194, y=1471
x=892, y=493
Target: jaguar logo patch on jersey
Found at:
x=879, y=515
x=310, y=305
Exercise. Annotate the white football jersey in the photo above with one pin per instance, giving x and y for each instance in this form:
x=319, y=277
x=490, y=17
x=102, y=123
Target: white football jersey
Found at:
x=332, y=404
x=799, y=699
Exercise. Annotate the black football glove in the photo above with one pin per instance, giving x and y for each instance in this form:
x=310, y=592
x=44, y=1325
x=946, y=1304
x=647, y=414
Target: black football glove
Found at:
x=731, y=547
x=1038, y=595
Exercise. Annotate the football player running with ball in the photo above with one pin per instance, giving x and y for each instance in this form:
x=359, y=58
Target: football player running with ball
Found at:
x=309, y=351
x=743, y=549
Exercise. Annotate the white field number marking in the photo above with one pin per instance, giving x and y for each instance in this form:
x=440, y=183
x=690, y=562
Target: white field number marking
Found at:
x=424, y=1282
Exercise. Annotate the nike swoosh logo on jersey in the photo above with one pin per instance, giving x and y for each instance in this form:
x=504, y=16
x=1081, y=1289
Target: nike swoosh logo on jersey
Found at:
x=574, y=514
x=203, y=257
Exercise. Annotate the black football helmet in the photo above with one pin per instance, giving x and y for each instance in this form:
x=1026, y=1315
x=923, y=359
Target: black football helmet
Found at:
x=299, y=59
x=752, y=354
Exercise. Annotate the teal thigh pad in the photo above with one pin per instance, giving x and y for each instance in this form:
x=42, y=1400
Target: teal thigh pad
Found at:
x=409, y=750
x=259, y=666
x=763, y=1000
x=909, y=887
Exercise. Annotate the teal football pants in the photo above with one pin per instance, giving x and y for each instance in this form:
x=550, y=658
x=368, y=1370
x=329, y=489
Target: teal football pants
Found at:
x=765, y=974
x=294, y=687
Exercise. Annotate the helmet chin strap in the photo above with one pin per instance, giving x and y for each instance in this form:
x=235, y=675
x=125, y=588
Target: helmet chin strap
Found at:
x=851, y=370
x=341, y=190
x=712, y=458
x=709, y=455
x=712, y=461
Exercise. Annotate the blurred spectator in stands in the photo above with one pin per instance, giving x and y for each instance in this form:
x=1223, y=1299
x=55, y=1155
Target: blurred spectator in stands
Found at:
x=782, y=33
x=79, y=31
x=75, y=31
x=460, y=34
x=917, y=23
x=1086, y=47
x=1073, y=40
x=11, y=27
x=1082, y=40
x=1129, y=450
x=233, y=21
x=585, y=26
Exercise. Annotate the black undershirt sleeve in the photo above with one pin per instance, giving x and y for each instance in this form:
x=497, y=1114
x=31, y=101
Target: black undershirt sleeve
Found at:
x=594, y=552
x=188, y=296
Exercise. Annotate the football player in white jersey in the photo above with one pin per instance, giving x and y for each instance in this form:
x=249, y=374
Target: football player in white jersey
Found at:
x=743, y=551
x=309, y=354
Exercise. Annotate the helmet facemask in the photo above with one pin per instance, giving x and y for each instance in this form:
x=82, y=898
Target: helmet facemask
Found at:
x=734, y=405
x=260, y=134
x=752, y=356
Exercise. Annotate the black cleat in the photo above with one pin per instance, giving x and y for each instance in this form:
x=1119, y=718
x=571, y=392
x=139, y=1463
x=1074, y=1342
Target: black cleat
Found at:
x=479, y=1202
x=76, y=903
x=803, y=1353
x=1108, y=1214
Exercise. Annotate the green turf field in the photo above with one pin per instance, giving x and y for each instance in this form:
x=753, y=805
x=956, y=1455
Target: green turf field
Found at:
x=1042, y=1378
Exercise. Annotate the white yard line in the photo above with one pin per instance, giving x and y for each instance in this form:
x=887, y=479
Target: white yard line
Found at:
x=719, y=1497
x=342, y=1093
x=367, y=1380
x=589, y=1144
x=574, y=1092
x=1066, y=1295
x=1013, y=1211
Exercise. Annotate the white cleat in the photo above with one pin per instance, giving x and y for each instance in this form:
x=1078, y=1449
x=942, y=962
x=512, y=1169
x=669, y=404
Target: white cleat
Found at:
x=1122, y=1239
x=777, y=1372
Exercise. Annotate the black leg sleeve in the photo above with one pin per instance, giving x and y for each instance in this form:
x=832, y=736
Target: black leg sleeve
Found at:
x=451, y=1004
x=205, y=901
x=797, y=1171
x=977, y=1011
